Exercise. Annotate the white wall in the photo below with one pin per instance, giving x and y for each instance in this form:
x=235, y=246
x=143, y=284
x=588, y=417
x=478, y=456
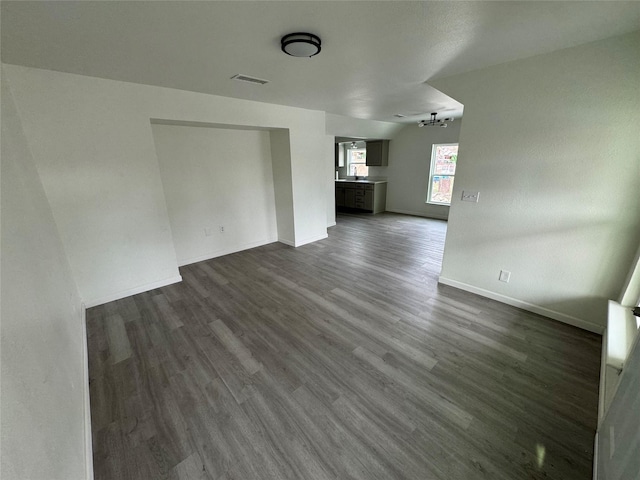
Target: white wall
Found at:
x=330, y=168
x=216, y=177
x=92, y=143
x=408, y=170
x=309, y=177
x=552, y=145
x=617, y=457
x=93, y=148
x=630, y=295
x=42, y=349
x=282, y=183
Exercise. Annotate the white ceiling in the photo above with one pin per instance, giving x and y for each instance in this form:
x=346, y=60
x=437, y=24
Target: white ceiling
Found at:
x=376, y=56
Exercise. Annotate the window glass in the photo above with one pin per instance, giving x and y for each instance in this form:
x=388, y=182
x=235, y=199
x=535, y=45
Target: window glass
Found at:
x=444, y=158
x=358, y=162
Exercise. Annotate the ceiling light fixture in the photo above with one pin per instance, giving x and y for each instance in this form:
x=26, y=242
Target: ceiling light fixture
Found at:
x=301, y=44
x=435, y=122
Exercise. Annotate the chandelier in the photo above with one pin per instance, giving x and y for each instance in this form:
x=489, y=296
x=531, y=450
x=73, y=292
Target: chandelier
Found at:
x=435, y=122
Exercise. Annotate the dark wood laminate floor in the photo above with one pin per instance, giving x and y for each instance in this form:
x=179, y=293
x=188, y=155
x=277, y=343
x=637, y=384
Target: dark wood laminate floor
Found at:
x=342, y=359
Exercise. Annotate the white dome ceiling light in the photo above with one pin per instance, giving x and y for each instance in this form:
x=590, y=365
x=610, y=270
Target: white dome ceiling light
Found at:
x=301, y=44
x=433, y=122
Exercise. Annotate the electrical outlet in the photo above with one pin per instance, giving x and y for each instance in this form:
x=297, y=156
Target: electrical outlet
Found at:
x=221, y=228
x=470, y=196
x=505, y=276
x=207, y=231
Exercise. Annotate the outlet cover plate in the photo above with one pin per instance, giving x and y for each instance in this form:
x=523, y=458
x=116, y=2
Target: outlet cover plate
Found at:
x=505, y=276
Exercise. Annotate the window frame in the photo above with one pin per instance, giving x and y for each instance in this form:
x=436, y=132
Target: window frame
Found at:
x=349, y=162
x=432, y=166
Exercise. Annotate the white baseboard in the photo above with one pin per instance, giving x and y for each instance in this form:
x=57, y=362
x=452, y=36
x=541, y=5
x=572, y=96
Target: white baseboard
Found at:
x=602, y=388
x=225, y=251
x=88, y=443
x=311, y=239
x=303, y=242
x=530, y=307
x=418, y=214
x=291, y=243
x=132, y=291
x=333, y=224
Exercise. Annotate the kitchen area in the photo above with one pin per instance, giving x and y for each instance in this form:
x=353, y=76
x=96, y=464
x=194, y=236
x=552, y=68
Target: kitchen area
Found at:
x=357, y=188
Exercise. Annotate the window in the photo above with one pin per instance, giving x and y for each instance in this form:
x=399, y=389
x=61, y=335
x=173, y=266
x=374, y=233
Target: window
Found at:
x=443, y=169
x=357, y=162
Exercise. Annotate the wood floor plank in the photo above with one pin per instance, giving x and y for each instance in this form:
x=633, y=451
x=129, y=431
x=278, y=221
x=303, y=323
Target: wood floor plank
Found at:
x=343, y=359
x=118, y=340
x=235, y=347
x=435, y=400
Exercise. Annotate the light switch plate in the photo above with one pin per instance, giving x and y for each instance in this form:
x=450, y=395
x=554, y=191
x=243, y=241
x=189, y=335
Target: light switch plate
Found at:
x=470, y=196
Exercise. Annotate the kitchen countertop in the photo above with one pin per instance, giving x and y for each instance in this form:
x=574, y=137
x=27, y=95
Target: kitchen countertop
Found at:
x=371, y=182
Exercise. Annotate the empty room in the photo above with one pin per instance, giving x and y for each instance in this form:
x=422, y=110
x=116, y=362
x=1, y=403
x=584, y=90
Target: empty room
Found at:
x=315, y=240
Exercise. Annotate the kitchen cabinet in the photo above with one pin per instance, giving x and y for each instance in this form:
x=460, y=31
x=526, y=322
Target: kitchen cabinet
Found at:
x=378, y=153
x=369, y=196
x=340, y=195
x=359, y=195
x=368, y=200
x=349, y=197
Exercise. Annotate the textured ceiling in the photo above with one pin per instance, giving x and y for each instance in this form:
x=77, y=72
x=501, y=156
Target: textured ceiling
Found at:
x=376, y=58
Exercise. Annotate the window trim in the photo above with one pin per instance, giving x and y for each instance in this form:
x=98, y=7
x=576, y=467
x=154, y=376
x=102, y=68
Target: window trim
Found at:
x=428, y=200
x=349, y=163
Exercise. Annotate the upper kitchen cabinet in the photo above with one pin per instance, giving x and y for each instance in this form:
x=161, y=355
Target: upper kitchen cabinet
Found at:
x=377, y=153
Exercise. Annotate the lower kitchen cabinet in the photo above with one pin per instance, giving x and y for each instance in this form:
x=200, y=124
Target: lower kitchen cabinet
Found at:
x=340, y=200
x=365, y=196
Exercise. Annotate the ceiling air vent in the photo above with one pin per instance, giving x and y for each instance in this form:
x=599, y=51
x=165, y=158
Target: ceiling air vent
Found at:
x=246, y=78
